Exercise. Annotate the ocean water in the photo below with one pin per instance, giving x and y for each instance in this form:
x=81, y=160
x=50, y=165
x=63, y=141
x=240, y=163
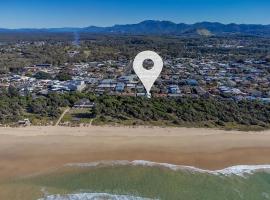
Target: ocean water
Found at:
x=145, y=180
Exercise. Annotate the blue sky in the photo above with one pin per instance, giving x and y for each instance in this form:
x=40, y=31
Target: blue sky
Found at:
x=81, y=13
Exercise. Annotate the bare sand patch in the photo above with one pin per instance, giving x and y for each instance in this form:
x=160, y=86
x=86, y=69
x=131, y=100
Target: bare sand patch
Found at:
x=29, y=150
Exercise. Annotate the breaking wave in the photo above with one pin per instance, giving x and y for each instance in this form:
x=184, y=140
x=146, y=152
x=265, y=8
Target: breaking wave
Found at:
x=92, y=196
x=239, y=170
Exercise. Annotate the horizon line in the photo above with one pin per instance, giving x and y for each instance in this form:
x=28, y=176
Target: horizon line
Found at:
x=81, y=27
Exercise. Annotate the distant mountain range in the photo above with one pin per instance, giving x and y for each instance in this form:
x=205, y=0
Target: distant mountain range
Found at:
x=163, y=27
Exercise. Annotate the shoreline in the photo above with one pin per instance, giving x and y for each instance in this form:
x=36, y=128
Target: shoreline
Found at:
x=29, y=150
x=238, y=170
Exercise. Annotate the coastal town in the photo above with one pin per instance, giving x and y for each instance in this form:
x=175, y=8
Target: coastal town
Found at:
x=247, y=79
x=73, y=80
x=134, y=100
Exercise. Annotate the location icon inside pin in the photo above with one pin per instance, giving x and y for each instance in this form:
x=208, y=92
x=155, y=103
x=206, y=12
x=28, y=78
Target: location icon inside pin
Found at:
x=148, y=77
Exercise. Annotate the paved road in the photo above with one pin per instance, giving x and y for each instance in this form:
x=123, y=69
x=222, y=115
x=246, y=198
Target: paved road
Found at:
x=61, y=117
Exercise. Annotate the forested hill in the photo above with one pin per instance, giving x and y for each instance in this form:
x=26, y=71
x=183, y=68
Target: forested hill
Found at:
x=164, y=27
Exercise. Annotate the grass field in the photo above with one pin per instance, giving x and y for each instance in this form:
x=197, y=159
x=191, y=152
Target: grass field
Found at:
x=78, y=116
x=148, y=182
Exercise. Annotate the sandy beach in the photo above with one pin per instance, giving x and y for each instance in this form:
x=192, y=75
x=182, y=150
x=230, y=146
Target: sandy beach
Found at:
x=24, y=151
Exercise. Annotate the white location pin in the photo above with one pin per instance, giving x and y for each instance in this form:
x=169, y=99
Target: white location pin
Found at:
x=148, y=77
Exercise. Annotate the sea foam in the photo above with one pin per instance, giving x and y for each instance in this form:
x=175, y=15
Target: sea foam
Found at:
x=92, y=196
x=239, y=170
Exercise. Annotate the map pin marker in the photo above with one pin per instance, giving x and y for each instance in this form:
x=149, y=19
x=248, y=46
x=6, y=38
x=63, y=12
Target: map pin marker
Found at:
x=148, y=77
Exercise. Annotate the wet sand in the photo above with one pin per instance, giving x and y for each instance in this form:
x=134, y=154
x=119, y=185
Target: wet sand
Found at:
x=24, y=151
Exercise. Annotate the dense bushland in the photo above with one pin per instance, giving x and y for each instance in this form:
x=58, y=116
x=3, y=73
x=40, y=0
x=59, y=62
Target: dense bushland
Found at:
x=209, y=112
